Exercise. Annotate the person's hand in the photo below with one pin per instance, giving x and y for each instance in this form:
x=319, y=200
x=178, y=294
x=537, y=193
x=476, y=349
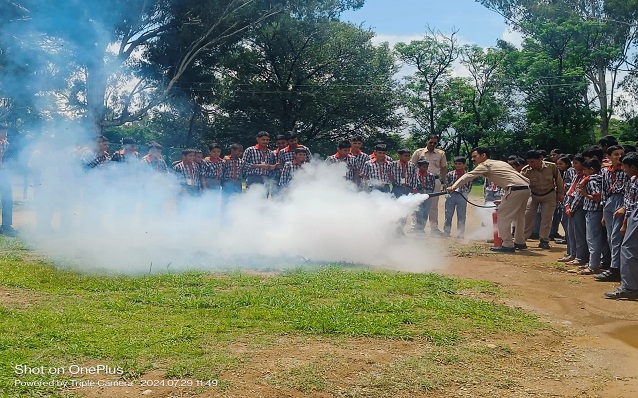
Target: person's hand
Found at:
x=603, y=221
x=623, y=229
x=620, y=212
x=449, y=189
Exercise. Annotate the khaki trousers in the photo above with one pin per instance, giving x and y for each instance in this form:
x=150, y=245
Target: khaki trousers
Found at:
x=512, y=210
x=433, y=216
x=548, y=207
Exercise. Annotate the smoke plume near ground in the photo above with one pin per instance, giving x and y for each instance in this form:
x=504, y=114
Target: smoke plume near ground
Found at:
x=124, y=218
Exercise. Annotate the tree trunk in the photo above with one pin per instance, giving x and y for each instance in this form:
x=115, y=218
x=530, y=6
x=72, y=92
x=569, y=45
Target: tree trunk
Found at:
x=602, y=97
x=191, y=125
x=95, y=89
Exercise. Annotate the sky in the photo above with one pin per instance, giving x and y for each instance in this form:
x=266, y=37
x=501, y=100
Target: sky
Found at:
x=405, y=20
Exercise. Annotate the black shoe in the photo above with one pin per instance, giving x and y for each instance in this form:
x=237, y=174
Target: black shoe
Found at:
x=622, y=294
x=544, y=245
x=8, y=231
x=560, y=241
x=520, y=246
x=503, y=249
x=436, y=232
x=533, y=236
x=608, y=276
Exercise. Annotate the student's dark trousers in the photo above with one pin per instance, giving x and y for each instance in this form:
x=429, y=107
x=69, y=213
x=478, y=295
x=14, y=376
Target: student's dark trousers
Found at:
x=613, y=224
x=629, y=254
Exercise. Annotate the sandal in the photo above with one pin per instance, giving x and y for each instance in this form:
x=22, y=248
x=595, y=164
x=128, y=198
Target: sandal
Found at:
x=576, y=262
x=589, y=271
x=566, y=259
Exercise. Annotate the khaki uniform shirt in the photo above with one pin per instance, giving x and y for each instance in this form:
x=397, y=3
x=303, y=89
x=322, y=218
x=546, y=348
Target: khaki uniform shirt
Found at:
x=544, y=180
x=436, y=158
x=497, y=171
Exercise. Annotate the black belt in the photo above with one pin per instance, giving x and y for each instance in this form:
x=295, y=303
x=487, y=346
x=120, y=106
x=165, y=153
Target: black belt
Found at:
x=521, y=188
x=543, y=194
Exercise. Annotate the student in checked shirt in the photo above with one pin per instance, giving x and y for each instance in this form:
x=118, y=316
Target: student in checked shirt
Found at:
x=293, y=166
x=360, y=158
x=629, y=249
x=614, y=181
x=425, y=183
x=232, y=171
x=591, y=189
x=189, y=174
x=377, y=172
x=288, y=153
x=454, y=201
x=212, y=167
x=344, y=156
x=577, y=251
x=403, y=174
x=259, y=161
x=154, y=159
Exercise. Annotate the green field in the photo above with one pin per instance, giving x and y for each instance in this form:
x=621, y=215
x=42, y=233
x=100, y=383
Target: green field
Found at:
x=182, y=324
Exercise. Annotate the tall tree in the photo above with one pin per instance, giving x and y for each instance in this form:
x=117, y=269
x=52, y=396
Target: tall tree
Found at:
x=433, y=57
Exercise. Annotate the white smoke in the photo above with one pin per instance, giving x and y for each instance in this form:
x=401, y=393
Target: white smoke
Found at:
x=125, y=219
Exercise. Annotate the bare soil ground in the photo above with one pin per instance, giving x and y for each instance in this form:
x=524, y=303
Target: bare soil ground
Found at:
x=590, y=348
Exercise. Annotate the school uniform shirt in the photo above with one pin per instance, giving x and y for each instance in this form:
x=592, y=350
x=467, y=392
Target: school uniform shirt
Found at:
x=123, y=156
x=157, y=164
x=568, y=177
x=631, y=197
x=404, y=174
x=360, y=160
x=377, y=173
x=189, y=176
x=288, y=155
x=594, y=187
x=212, y=168
x=499, y=172
x=574, y=198
x=92, y=159
x=614, y=182
x=232, y=169
x=252, y=156
x=452, y=176
x=425, y=182
x=350, y=162
x=287, y=172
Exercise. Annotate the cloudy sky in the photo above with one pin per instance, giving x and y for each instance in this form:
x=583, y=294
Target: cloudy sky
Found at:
x=405, y=20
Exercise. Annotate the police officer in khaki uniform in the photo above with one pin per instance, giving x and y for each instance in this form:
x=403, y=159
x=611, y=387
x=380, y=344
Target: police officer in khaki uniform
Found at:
x=547, y=189
x=514, y=201
x=438, y=168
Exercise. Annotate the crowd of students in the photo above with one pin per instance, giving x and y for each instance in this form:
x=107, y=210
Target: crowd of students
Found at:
x=592, y=194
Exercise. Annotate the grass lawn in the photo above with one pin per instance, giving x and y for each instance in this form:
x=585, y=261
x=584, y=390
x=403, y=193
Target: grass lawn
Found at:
x=183, y=324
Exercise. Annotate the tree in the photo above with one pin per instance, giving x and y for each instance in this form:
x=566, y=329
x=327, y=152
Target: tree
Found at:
x=433, y=58
x=317, y=76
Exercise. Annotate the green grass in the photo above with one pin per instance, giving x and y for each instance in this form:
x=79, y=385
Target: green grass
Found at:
x=183, y=323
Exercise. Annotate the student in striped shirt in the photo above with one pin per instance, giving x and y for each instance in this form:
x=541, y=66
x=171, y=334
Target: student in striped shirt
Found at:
x=425, y=183
x=456, y=201
x=154, y=159
x=128, y=152
x=360, y=158
x=377, y=172
x=288, y=153
x=292, y=166
x=189, y=174
x=577, y=251
x=232, y=171
x=403, y=174
x=614, y=182
x=259, y=161
x=629, y=249
x=591, y=189
x=212, y=167
x=344, y=156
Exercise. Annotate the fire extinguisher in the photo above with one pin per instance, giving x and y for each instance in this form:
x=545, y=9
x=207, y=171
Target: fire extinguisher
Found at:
x=497, y=239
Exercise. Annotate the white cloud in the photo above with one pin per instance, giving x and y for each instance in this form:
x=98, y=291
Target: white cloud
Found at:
x=513, y=37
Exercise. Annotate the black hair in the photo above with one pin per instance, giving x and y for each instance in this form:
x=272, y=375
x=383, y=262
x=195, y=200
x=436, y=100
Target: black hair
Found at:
x=534, y=155
x=592, y=164
x=608, y=140
x=629, y=148
x=344, y=145
x=281, y=137
x=613, y=148
x=214, y=145
x=236, y=147
x=291, y=135
x=381, y=146
x=155, y=144
x=566, y=160
x=460, y=159
x=422, y=161
x=128, y=141
x=403, y=150
x=98, y=138
x=482, y=150
x=263, y=134
x=196, y=151
x=188, y=150
x=579, y=158
x=434, y=136
x=630, y=159
x=512, y=157
x=300, y=150
x=570, y=156
x=594, y=152
x=357, y=138
x=556, y=150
